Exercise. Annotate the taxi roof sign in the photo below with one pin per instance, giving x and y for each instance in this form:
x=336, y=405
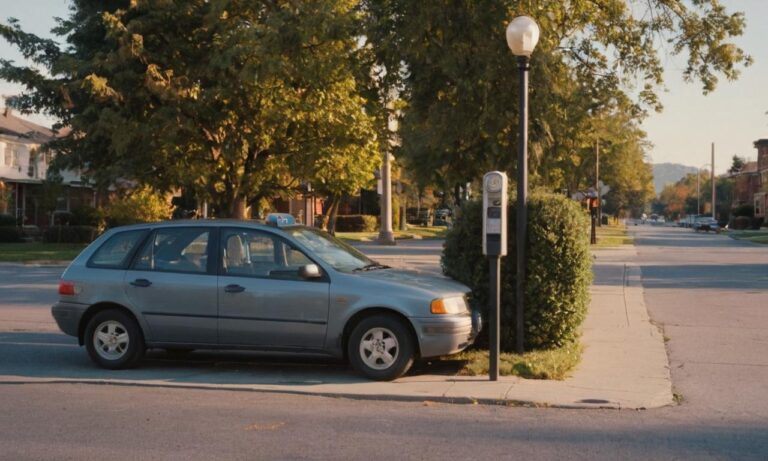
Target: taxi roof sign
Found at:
x=280, y=219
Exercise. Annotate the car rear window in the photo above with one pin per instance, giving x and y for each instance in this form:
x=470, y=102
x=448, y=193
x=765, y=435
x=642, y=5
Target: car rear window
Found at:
x=116, y=251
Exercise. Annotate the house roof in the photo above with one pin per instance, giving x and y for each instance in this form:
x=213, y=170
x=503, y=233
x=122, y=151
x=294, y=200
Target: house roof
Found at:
x=15, y=126
x=749, y=167
x=761, y=142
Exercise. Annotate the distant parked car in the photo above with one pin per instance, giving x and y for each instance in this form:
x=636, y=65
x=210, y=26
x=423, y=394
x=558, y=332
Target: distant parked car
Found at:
x=186, y=285
x=706, y=225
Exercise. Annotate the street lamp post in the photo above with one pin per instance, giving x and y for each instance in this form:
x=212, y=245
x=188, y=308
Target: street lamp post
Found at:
x=522, y=36
x=698, y=187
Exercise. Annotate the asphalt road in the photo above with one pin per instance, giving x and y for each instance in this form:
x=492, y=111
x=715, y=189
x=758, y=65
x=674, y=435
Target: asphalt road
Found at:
x=709, y=292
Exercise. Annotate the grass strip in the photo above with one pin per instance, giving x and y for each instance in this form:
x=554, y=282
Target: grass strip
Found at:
x=613, y=235
x=545, y=364
x=26, y=252
x=413, y=232
x=756, y=236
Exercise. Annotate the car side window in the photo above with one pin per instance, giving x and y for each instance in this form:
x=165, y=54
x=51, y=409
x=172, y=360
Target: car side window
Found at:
x=114, y=253
x=175, y=249
x=252, y=253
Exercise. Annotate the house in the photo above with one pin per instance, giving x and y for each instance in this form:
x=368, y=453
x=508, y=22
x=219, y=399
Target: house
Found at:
x=760, y=197
x=751, y=183
x=24, y=193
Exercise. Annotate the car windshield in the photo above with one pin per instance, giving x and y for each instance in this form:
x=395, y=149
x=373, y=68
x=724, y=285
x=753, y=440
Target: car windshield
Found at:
x=333, y=251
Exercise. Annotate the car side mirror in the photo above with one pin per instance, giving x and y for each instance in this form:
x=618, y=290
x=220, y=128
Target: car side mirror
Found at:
x=310, y=271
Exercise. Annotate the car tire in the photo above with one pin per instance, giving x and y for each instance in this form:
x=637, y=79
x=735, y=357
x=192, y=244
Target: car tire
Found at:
x=114, y=340
x=381, y=347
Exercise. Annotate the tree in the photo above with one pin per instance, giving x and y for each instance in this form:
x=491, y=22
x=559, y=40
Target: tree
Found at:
x=737, y=164
x=236, y=100
x=449, y=61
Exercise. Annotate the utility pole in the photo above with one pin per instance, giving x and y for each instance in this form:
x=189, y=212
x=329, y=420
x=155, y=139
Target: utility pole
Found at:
x=698, y=194
x=597, y=185
x=714, y=216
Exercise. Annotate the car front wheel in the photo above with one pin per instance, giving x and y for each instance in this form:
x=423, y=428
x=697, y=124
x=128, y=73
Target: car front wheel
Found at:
x=114, y=340
x=381, y=347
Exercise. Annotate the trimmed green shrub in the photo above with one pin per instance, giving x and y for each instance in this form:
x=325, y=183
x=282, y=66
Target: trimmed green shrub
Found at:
x=70, y=234
x=356, y=223
x=558, y=270
x=7, y=220
x=743, y=210
x=756, y=223
x=10, y=234
x=741, y=222
x=85, y=216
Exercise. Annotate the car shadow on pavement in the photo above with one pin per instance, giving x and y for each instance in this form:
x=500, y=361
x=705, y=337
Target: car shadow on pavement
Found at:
x=55, y=356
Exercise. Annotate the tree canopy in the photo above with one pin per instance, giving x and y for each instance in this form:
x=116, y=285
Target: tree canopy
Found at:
x=595, y=61
x=235, y=99
x=241, y=100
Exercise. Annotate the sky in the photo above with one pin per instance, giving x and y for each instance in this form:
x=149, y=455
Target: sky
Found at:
x=732, y=117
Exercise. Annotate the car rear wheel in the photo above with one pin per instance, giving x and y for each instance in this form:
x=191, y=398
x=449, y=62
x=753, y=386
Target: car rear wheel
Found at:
x=114, y=340
x=381, y=347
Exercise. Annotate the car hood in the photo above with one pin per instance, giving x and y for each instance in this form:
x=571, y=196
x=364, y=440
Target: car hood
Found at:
x=413, y=279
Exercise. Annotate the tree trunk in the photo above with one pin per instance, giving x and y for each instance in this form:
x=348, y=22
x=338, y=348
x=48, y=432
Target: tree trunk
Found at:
x=327, y=210
x=333, y=212
x=239, y=208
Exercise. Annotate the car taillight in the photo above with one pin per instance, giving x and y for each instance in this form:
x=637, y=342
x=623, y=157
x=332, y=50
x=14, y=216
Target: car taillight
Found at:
x=66, y=288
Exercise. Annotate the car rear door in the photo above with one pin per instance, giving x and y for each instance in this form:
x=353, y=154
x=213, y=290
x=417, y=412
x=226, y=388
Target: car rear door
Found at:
x=262, y=299
x=172, y=283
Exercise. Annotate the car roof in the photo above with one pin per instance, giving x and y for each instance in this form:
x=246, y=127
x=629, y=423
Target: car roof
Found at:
x=206, y=223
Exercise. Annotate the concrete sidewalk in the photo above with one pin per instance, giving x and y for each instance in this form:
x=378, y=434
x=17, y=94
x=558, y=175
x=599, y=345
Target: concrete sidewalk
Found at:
x=624, y=364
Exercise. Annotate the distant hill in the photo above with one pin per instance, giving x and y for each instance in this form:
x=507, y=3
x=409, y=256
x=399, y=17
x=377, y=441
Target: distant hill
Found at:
x=669, y=173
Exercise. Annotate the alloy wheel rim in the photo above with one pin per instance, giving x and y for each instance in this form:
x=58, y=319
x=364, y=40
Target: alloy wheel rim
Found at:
x=379, y=348
x=111, y=340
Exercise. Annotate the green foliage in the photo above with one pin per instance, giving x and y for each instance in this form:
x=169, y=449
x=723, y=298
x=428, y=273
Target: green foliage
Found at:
x=594, y=73
x=356, y=223
x=743, y=210
x=7, y=220
x=558, y=274
x=234, y=100
x=741, y=222
x=138, y=206
x=85, y=216
x=9, y=234
x=70, y=234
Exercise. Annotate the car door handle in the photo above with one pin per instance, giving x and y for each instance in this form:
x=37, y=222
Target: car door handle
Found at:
x=234, y=289
x=141, y=283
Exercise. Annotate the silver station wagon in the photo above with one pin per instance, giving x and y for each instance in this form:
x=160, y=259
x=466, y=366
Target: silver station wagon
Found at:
x=221, y=284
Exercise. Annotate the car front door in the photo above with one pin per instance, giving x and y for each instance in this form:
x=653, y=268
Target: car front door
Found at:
x=172, y=283
x=262, y=299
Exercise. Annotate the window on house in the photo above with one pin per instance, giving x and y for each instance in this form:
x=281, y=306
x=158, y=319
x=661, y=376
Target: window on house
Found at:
x=758, y=208
x=8, y=154
x=16, y=157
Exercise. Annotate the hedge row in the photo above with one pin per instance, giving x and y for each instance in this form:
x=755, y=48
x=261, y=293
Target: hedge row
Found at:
x=356, y=223
x=7, y=220
x=70, y=234
x=558, y=269
x=10, y=234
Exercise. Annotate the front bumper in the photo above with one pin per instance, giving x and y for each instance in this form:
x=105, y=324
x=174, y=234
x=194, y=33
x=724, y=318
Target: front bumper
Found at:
x=67, y=316
x=446, y=335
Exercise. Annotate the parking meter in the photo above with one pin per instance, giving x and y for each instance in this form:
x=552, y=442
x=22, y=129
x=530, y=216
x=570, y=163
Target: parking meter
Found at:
x=495, y=214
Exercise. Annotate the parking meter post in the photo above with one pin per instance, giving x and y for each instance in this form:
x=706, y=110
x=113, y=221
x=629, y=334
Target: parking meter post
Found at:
x=495, y=206
x=494, y=345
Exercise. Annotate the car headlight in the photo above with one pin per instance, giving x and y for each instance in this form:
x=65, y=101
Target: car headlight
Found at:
x=452, y=305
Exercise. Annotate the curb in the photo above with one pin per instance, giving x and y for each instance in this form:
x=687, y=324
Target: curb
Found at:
x=339, y=395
